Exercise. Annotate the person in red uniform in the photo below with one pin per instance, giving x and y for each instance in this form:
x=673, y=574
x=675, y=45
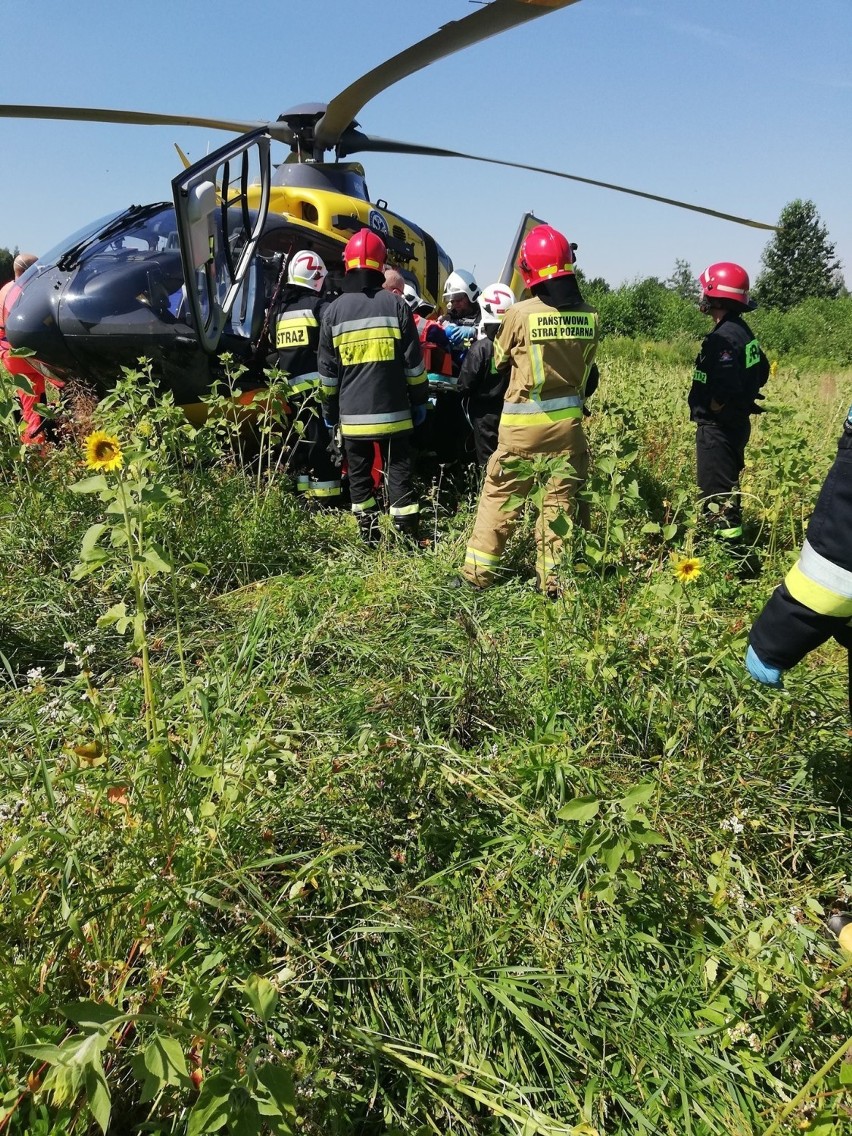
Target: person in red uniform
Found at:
x=373, y=384
x=19, y=365
x=437, y=357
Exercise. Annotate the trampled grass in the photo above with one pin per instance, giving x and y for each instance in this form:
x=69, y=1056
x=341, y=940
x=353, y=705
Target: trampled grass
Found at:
x=346, y=850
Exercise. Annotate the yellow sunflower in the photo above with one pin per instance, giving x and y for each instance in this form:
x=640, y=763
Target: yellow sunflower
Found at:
x=687, y=569
x=103, y=451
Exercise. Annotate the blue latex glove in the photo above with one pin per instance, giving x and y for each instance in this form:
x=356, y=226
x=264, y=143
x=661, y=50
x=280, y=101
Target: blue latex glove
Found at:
x=418, y=414
x=769, y=676
x=329, y=425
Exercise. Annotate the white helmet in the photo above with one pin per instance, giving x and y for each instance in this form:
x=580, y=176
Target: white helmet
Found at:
x=307, y=270
x=494, y=302
x=412, y=297
x=462, y=282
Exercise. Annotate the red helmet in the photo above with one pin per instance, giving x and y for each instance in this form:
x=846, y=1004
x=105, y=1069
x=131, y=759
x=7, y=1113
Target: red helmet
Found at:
x=545, y=255
x=365, y=250
x=725, y=281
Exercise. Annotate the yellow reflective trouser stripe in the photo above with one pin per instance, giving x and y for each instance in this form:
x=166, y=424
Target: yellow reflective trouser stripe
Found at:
x=820, y=584
x=364, y=506
x=730, y=534
x=323, y=488
x=367, y=429
x=302, y=483
x=481, y=559
x=815, y=596
x=298, y=383
x=416, y=379
x=404, y=510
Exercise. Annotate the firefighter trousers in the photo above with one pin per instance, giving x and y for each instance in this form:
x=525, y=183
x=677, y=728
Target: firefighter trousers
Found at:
x=720, y=457
x=506, y=491
x=317, y=476
x=403, y=503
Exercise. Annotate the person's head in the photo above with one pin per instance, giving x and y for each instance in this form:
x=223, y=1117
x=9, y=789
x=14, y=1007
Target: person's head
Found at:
x=22, y=262
x=494, y=302
x=365, y=249
x=307, y=270
x=394, y=281
x=724, y=289
x=460, y=295
x=545, y=255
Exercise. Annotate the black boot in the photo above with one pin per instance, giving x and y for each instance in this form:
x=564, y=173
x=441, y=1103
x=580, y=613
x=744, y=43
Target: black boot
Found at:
x=368, y=527
x=408, y=527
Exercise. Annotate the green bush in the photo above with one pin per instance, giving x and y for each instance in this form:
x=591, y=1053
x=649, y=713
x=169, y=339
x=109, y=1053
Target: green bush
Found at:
x=817, y=332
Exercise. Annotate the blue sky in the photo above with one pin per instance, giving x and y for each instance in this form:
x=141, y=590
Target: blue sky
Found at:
x=742, y=106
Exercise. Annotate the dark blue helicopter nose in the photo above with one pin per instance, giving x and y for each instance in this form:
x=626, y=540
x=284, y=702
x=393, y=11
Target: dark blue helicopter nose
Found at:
x=33, y=324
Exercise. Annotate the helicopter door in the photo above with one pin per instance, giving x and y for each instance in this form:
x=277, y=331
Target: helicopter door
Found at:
x=221, y=204
x=510, y=274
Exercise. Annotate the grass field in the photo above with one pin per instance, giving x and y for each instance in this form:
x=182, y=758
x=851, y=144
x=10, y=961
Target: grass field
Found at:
x=297, y=838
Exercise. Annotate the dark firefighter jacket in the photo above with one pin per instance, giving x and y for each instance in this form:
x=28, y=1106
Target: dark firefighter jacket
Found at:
x=730, y=370
x=370, y=364
x=815, y=601
x=296, y=330
x=479, y=382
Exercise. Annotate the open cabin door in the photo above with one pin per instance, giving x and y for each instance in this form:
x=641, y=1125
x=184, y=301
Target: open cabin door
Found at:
x=219, y=229
x=510, y=274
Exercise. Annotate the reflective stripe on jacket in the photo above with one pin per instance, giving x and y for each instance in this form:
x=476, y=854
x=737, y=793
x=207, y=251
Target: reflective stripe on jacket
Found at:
x=297, y=326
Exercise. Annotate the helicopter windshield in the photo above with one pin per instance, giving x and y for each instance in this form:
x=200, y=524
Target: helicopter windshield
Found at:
x=81, y=235
x=153, y=231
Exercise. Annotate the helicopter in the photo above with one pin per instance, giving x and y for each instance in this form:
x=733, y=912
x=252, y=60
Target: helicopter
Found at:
x=184, y=282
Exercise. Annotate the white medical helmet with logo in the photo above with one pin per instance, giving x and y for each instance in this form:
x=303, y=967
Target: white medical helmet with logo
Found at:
x=494, y=302
x=307, y=270
x=412, y=297
x=461, y=282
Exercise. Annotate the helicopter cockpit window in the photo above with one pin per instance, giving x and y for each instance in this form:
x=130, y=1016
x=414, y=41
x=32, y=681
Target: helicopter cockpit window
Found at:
x=53, y=255
x=151, y=234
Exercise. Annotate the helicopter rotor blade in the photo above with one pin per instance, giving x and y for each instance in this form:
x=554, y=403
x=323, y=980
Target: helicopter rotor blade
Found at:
x=489, y=20
x=353, y=142
x=279, y=130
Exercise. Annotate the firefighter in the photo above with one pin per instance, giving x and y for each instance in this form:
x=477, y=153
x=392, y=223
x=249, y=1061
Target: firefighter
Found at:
x=729, y=371
x=461, y=293
x=296, y=323
x=451, y=433
x=814, y=602
x=481, y=388
x=547, y=345
x=373, y=384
